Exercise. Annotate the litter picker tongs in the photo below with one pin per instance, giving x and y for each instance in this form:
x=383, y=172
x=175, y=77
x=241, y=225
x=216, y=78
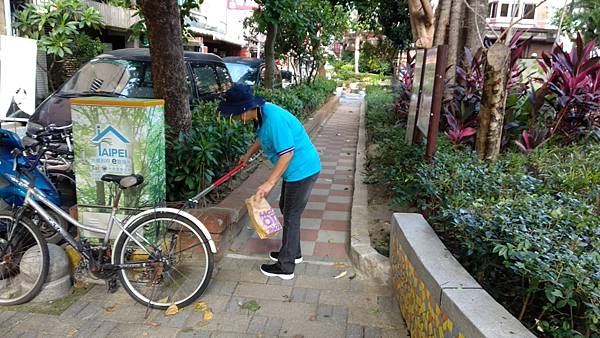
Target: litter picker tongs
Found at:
x=195, y=200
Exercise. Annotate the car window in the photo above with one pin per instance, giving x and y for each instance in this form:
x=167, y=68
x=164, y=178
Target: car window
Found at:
x=205, y=78
x=276, y=78
x=124, y=77
x=242, y=73
x=224, y=78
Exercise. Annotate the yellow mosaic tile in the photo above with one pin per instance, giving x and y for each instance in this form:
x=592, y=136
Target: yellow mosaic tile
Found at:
x=424, y=318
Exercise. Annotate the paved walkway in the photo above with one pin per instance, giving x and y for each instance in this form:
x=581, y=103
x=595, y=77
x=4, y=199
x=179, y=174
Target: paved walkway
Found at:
x=314, y=304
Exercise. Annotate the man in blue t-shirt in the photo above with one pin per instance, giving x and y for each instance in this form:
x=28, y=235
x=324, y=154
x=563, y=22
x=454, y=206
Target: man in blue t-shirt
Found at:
x=284, y=141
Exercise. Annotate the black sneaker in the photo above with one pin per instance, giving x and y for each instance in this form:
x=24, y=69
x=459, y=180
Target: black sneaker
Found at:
x=274, y=255
x=273, y=270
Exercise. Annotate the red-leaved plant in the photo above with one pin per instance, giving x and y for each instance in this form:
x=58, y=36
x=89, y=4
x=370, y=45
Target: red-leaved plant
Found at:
x=574, y=80
x=402, y=101
x=457, y=131
x=531, y=139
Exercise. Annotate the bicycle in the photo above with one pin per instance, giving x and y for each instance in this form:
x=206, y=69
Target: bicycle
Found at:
x=162, y=256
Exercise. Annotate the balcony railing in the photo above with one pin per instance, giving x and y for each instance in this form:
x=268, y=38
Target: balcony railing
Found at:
x=115, y=17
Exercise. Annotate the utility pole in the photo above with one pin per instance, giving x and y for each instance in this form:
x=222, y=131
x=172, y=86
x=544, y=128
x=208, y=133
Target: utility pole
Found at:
x=5, y=21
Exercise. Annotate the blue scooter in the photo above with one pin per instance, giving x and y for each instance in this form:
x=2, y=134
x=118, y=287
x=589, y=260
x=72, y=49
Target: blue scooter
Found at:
x=12, y=193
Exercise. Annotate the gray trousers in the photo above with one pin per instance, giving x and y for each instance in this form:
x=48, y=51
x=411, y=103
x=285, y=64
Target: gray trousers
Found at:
x=293, y=200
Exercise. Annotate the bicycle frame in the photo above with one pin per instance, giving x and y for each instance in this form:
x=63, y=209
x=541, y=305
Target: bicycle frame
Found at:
x=33, y=193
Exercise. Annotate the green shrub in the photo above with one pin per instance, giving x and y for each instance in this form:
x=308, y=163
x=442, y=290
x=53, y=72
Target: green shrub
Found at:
x=526, y=226
x=207, y=151
x=398, y=176
x=535, y=218
x=285, y=98
x=301, y=100
x=375, y=59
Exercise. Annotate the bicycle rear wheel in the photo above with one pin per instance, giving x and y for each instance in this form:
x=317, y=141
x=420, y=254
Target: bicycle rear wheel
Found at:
x=23, y=260
x=182, y=261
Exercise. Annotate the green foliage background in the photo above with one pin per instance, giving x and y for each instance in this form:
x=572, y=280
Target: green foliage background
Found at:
x=526, y=226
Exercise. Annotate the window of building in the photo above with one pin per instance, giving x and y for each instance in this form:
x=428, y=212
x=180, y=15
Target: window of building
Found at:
x=529, y=11
x=515, y=11
x=504, y=10
x=493, y=9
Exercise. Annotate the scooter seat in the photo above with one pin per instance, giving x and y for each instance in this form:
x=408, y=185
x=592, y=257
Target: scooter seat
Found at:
x=124, y=181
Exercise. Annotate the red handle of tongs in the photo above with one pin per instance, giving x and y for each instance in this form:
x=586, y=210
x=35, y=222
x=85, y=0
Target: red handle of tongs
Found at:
x=228, y=175
x=222, y=179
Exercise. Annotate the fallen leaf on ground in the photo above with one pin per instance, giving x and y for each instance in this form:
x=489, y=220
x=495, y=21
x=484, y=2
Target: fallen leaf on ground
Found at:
x=375, y=312
x=352, y=277
x=342, y=274
x=259, y=335
x=153, y=324
x=172, y=310
x=339, y=265
x=312, y=318
x=110, y=308
x=72, y=333
x=201, y=307
x=145, y=334
x=208, y=315
x=250, y=305
x=163, y=300
x=79, y=284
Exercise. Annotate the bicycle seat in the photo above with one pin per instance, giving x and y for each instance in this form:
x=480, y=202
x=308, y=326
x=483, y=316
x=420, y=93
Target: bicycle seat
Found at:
x=124, y=181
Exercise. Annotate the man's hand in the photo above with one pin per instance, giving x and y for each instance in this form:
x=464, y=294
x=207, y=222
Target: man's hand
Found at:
x=244, y=160
x=264, y=189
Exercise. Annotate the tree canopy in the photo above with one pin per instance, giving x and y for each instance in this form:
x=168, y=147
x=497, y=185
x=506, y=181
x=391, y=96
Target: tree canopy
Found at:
x=389, y=17
x=581, y=16
x=305, y=27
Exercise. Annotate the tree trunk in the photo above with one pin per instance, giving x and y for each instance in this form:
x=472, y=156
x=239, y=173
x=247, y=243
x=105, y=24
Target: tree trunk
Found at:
x=3, y=30
x=356, y=51
x=442, y=20
x=475, y=24
x=491, y=116
x=422, y=21
x=168, y=65
x=270, y=55
x=454, y=41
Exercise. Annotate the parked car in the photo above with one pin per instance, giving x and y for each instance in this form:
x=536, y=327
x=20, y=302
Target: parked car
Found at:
x=249, y=71
x=128, y=73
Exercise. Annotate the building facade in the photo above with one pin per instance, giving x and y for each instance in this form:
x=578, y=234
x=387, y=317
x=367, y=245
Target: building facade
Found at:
x=218, y=27
x=534, y=21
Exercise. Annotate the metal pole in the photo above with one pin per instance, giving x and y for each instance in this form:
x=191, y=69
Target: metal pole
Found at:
x=258, y=49
x=417, y=135
x=436, y=104
x=7, y=18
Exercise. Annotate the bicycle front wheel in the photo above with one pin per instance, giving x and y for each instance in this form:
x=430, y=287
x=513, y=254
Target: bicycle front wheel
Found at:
x=178, y=260
x=23, y=260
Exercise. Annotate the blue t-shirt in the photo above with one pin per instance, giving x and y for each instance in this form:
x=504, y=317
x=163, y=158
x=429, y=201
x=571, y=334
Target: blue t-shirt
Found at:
x=281, y=133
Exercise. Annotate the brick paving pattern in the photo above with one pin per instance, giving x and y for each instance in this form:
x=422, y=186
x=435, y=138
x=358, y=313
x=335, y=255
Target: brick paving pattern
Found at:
x=314, y=304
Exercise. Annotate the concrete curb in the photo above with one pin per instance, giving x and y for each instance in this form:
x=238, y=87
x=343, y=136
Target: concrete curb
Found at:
x=437, y=296
x=223, y=219
x=362, y=254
